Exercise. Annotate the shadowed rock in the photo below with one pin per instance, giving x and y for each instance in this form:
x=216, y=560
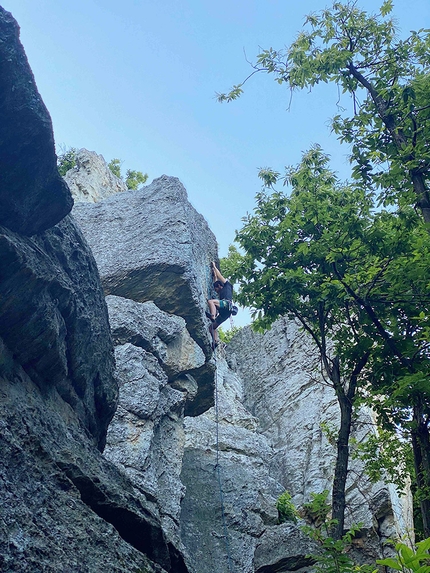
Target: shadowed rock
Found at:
x=166, y=337
x=33, y=196
x=64, y=506
x=53, y=317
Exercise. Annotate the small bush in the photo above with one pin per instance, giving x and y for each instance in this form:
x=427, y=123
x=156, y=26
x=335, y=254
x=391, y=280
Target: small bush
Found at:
x=286, y=508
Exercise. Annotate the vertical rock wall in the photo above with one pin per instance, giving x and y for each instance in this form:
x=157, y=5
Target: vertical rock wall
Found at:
x=271, y=403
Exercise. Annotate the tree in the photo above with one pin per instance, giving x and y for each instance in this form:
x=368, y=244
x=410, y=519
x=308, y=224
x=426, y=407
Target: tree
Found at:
x=115, y=166
x=357, y=280
x=66, y=160
x=132, y=178
x=135, y=178
x=388, y=127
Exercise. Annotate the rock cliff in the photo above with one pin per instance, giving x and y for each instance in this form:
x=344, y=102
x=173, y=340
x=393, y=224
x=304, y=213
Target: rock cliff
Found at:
x=125, y=444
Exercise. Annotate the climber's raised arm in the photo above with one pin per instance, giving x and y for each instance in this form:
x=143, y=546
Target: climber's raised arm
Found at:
x=217, y=275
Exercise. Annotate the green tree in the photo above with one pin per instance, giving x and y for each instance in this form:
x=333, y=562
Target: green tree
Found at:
x=356, y=279
x=115, y=166
x=135, y=178
x=66, y=160
x=388, y=80
x=132, y=178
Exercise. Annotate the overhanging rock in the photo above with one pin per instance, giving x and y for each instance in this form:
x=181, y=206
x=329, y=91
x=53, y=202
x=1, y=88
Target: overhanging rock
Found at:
x=33, y=196
x=151, y=244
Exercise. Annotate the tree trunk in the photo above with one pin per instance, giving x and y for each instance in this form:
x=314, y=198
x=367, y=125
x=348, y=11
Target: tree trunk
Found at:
x=341, y=468
x=421, y=450
x=422, y=193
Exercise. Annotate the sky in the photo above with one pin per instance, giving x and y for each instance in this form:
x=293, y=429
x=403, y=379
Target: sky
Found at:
x=136, y=80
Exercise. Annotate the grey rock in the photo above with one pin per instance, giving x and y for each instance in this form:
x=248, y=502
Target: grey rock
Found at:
x=290, y=406
x=230, y=495
x=146, y=436
x=152, y=245
x=283, y=548
x=162, y=334
x=91, y=180
x=264, y=437
x=53, y=317
x=166, y=337
x=64, y=506
x=33, y=195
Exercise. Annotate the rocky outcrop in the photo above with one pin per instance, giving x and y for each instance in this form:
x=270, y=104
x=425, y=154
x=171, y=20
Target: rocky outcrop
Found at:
x=91, y=180
x=33, y=196
x=152, y=245
x=65, y=507
x=189, y=477
x=154, y=356
x=163, y=357
x=53, y=318
x=264, y=436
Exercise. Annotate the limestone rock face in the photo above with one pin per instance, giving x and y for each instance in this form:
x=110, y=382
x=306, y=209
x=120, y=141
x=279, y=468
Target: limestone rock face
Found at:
x=164, y=335
x=230, y=493
x=64, y=506
x=263, y=437
x=167, y=338
x=33, y=196
x=290, y=406
x=91, y=180
x=53, y=318
x=151, y=245
x=146, y=434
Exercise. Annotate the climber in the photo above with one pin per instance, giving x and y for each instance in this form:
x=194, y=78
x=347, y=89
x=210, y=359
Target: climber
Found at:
x=222, y=308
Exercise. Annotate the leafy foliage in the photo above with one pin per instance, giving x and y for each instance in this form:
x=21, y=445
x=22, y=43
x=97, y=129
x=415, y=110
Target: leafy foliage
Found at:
x=387, y=124
x=135, y=178
x=351, y=274
x=115, y=166
x=386, y=456
x=334, y=556
x=66, y=160
x=409, y=560
x=132, y=178
x=286, y=509
x=227, y=335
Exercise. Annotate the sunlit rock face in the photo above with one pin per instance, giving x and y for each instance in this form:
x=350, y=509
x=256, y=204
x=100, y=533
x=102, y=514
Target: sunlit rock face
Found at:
x=91, y=180
x=264, y=436
x=151, y=244
x=154, y=252
x=33, y=196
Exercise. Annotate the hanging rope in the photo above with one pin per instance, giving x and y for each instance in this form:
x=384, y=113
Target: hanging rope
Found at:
x=218, y=469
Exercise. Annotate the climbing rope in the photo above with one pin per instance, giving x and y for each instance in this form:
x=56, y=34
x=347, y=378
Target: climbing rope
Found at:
x=218, y=469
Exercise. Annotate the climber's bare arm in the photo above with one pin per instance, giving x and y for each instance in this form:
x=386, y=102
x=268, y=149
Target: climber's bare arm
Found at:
x=217, y=275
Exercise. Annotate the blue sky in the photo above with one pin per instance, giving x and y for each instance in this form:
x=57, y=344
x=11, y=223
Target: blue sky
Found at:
x=136, y=80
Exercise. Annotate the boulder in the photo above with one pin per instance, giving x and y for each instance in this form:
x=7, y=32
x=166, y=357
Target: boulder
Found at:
x=152, y=245
x=167, y=338
x=91, y=180
x=33, y=195
x=164, y=335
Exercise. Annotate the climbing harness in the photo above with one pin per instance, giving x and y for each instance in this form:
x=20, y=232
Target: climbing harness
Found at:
x=218, y=469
